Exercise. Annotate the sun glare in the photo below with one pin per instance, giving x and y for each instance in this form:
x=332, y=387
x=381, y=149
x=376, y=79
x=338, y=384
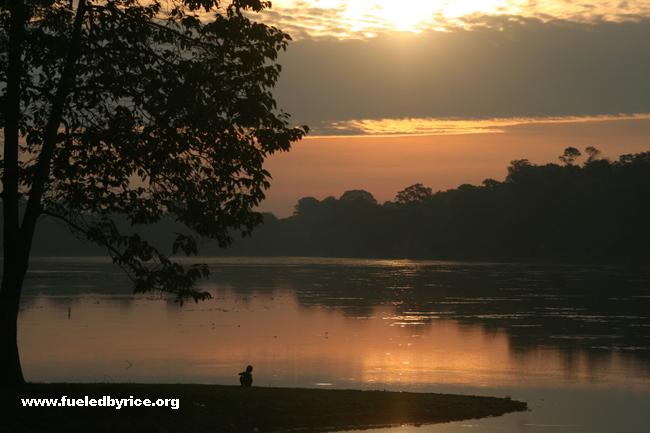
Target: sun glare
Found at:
x=404, y=16
x=366, y=18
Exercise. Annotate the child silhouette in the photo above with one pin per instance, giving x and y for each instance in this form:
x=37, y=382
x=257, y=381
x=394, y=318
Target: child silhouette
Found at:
x=246, y=377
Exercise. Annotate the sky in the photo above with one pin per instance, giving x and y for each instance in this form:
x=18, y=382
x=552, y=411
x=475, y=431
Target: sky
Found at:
x=449, y=92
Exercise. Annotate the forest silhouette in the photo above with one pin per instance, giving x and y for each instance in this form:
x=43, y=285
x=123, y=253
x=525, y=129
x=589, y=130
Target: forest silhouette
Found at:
x=583, y=209
x=596, y=211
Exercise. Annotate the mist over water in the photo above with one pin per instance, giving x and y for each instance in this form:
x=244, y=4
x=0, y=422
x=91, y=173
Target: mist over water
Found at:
x=571, y=340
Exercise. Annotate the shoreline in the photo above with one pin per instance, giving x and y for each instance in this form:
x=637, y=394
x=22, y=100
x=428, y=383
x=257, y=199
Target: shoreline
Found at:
x=226, y=409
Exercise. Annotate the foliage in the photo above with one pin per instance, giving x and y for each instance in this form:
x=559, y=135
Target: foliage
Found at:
x=570, y=155
x=595, y=212
x=144, y=109
x=414, y=194
x=306, y=205
x=358, y=195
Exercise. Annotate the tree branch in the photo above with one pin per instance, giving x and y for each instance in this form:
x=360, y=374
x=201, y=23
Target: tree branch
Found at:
x=42, y=174
x=114, y=252
x=11, y=132
x=137, y=273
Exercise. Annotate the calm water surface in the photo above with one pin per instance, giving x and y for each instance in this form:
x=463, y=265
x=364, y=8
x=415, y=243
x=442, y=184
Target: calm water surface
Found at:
x=572, y=341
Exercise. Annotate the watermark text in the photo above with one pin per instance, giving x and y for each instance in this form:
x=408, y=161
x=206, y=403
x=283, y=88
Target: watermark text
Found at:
x=104, y=401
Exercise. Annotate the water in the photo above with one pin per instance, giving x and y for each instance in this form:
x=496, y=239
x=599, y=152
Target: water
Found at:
x=574, y=342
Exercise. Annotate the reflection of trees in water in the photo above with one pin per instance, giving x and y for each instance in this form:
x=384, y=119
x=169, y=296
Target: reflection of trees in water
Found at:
x=74, y=276
x=68, y=304
x=60, y=282
x=597, y=309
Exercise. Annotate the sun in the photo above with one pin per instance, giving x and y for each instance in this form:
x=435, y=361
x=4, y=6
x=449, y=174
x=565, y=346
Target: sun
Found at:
x=406, y=18
x=401, y=15
x=414, y=15
x=405, y=15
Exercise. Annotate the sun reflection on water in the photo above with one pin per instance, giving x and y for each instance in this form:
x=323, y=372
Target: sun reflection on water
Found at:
x=290, y=345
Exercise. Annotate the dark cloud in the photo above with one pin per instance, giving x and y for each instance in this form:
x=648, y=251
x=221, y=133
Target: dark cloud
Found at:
x=498, y=67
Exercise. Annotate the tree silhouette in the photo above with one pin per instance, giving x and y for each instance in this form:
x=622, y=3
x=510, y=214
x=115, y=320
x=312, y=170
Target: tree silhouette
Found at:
x=306, y=205
x=358, y=195
x=592, y=154
x=147, y=110
x=413, y=194
x=569, y=156
x=594, y=212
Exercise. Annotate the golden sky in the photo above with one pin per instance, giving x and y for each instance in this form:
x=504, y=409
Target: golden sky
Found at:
x=359, y=18
x=384, y=165
x=446, y=92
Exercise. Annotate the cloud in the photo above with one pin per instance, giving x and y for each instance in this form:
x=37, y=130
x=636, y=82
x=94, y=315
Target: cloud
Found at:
x=411, y=126
x=500, y=67
x=360, y=19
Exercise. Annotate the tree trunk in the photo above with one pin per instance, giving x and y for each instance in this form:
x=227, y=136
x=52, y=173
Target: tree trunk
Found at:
x=18, y=238
x=11, y=374
x=15, y=260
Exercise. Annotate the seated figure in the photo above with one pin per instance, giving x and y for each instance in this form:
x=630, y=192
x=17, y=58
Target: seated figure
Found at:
x=246, y=377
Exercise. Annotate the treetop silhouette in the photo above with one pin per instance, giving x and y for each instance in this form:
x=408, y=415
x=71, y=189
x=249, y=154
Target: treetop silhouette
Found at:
x=596, y=211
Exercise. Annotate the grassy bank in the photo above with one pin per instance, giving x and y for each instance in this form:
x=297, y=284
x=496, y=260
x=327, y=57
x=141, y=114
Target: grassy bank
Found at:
x=224, y=409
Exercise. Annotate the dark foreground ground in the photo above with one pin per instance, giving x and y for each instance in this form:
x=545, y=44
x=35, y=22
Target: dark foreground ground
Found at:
x=225, y=409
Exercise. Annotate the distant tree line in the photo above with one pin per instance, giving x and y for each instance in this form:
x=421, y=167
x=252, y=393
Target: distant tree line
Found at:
x=597, y=210
x=585, y=208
